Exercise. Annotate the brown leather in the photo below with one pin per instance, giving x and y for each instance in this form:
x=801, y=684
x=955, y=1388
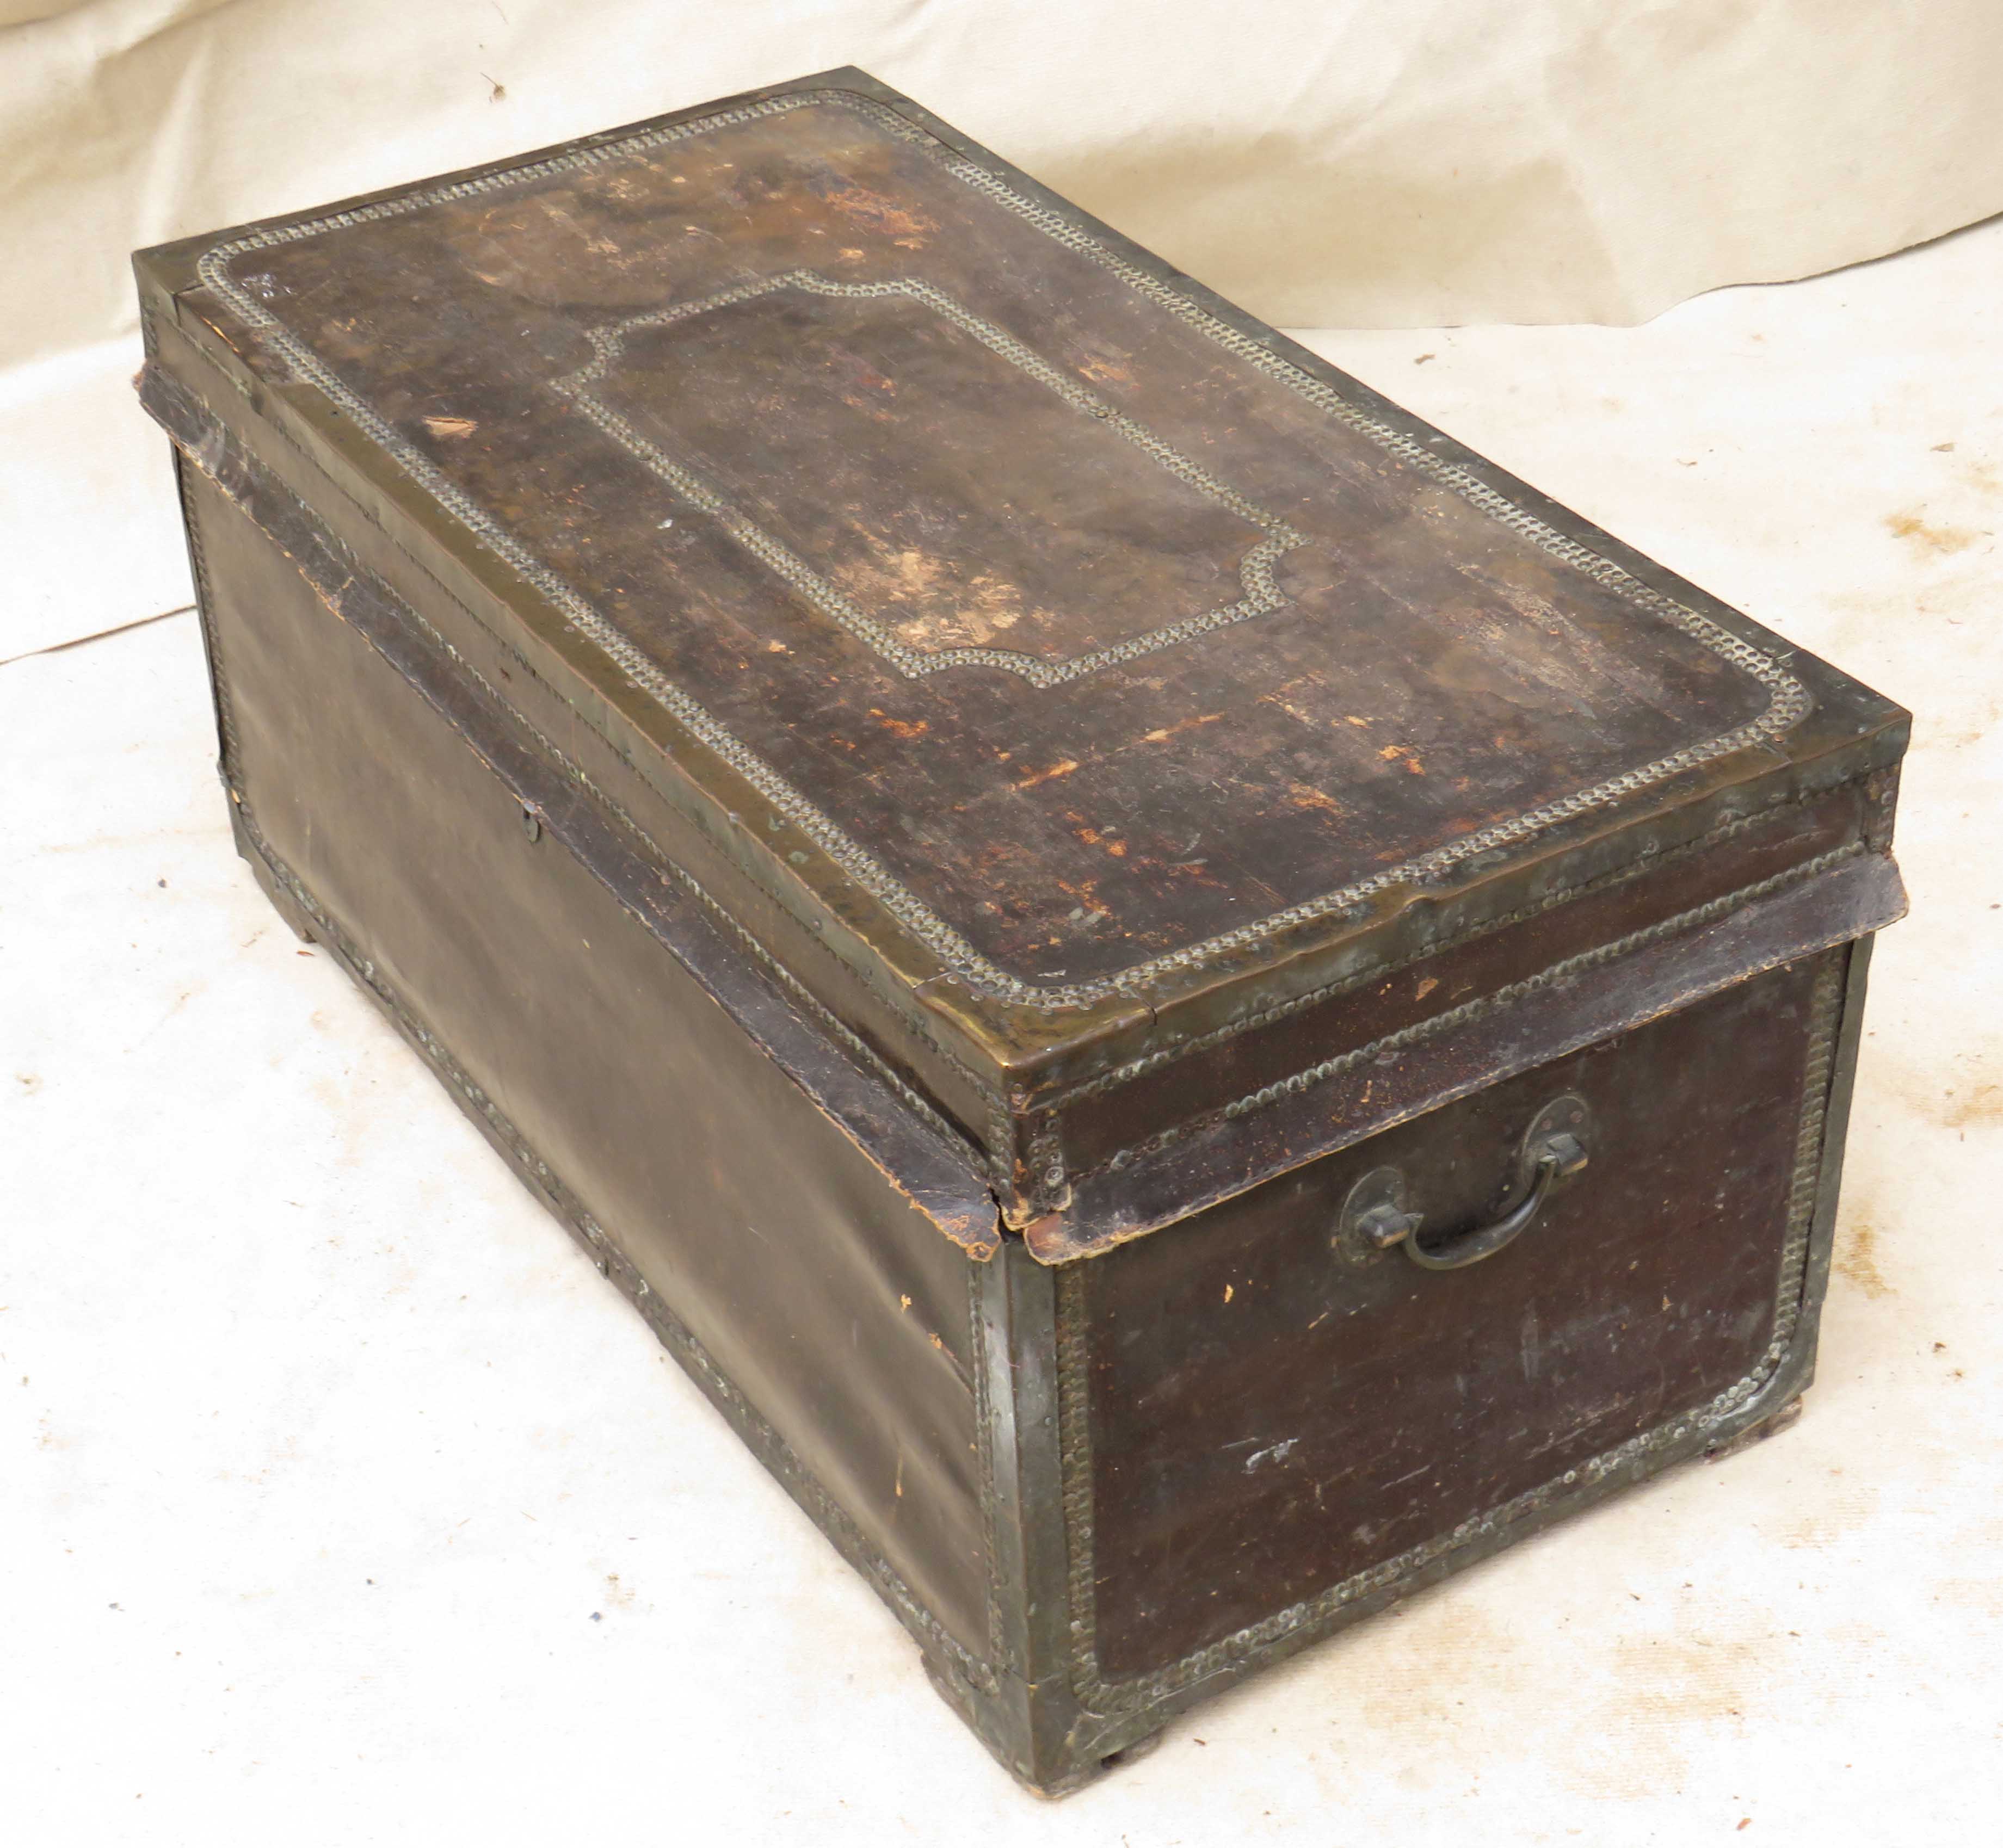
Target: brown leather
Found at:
x=845, y=709
x=1269, y=1419
x=1084, y=667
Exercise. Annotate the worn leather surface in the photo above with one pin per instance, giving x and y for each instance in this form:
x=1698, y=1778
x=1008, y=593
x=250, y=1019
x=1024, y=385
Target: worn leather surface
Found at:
x=1010, y=571
x=804, y=416
x=1083, y=694
x=832, y=1303
x=953, y=644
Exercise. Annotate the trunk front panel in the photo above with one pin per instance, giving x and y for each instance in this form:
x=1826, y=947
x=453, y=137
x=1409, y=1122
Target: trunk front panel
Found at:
x=1271, y=1418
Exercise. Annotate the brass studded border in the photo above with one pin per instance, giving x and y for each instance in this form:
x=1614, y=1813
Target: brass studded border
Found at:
x=1788, y=701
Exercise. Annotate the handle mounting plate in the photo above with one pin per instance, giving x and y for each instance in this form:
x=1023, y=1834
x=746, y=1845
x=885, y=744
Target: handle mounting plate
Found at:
x=1377, y=1215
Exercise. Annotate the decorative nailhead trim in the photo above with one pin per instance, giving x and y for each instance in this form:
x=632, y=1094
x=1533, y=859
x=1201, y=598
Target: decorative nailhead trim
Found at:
x=1247, y=1647
x=1049, y=1189
x=1649, y=860
x=1789, y=701
x=1262, y=591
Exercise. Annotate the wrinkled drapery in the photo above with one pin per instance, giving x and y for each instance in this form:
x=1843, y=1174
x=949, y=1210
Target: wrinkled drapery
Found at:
x=1325, y=162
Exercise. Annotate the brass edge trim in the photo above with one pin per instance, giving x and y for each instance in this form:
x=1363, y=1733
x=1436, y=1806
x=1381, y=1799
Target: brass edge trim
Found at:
x=984, y=1453
x=1510, y=993
x=1246, y=1648
x=1789, y=701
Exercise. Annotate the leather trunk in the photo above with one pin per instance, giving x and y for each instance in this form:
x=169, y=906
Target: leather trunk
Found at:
x=1191, y=1006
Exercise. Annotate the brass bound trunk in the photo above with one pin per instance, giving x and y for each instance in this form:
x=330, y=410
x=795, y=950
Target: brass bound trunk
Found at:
x=1191, y=1006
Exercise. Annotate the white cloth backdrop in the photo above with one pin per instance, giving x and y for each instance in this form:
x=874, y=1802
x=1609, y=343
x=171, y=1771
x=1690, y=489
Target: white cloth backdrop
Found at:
x=1345, y=163
x=344, y=1504
x=1351, y=163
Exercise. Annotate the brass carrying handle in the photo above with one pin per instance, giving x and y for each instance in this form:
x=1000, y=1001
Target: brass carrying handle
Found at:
x=1554, y=1152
